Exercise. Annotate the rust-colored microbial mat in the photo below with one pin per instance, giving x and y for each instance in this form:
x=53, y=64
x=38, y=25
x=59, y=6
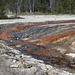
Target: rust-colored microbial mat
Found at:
x=56, y=34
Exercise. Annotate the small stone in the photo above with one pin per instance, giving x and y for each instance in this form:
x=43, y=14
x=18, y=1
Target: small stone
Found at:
x=38, y=44
x=43, y=67
x=22, y=56
x=73, y=43
x=72, y=64
x=15, y=51
x=22, y=62
x=30, y=71
x=14, y=66
x=24, y=39
x=40, y=73
x=11, y=41
x=29, y=66
x=33, y=41
x=5, y=55
x=71, y=55
x=49, y=67
x=14, y=61
x=52, y=73
x=18, y=45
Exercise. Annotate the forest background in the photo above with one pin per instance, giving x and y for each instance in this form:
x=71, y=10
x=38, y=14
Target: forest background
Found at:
x=18, y=7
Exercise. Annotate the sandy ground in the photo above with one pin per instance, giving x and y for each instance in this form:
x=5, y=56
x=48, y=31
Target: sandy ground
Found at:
x=38, y=18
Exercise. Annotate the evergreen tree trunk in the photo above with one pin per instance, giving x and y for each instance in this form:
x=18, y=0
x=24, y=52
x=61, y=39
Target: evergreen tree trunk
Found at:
x=52, y=6
x=30, y=6
x=33, y=5
x=16, y=9
x=18, y=6
x=2, y=10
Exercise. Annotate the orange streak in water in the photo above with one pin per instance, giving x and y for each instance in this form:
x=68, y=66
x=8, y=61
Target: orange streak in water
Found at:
x=20, y=28
x=56, y=38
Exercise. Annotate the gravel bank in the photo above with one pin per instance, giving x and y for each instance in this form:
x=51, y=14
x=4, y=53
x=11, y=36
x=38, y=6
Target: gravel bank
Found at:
x=12, y=62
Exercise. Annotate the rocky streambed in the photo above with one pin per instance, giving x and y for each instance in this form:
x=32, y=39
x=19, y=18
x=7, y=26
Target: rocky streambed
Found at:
x=38, y=48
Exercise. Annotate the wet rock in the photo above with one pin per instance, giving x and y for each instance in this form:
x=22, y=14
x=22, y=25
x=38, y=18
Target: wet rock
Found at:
x=73, y=44
x=61, y=50
x=72, y=64
x=18, y=45
x=10, y=36
x=25, y=39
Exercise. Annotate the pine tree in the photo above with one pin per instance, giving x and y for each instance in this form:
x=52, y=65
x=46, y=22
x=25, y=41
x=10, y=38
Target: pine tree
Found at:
x=50, y=6
x=2, y=10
